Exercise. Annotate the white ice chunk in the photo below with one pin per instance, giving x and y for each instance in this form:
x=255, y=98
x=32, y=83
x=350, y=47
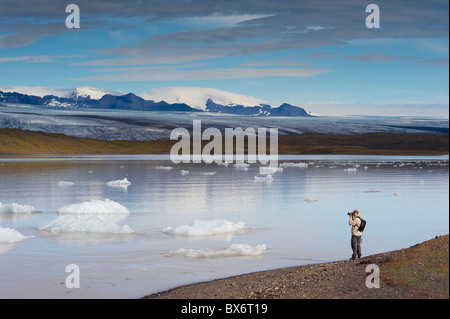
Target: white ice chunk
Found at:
x=9, y=235
x=84, y=224
x=241, y=165
x=96, y=216
x=102, y=209
x=289, y=164
x=119, y=183
x=209, y=173
x=205, y=228
x=15, y=208
x=264, y=178
x=233, y=250
x=353, y=169
x=64, y=183
x=310, y=200
x=167, y=168
x=183, y=172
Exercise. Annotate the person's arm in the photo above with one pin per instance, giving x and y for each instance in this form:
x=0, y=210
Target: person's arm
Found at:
x=354, y=221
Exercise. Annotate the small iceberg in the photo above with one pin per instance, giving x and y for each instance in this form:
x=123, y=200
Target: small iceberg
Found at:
x=96, y=216
x=15, y=208
x=106, y=208
x=84, y=224
x=310, y=200
x=166, y=168
x=205, y=228
x=65, y=184
x=119, y=183
x=209, y=173
x=353, y=169
x=233, y=250
x=184, y=172
x=290, y=164
x=244, y=166
x=9, y=235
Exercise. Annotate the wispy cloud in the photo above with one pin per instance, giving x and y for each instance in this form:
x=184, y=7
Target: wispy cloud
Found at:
x=173, y=74
x=39, y=58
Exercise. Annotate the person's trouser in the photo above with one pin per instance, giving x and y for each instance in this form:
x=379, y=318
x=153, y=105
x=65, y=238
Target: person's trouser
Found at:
x=356, y=245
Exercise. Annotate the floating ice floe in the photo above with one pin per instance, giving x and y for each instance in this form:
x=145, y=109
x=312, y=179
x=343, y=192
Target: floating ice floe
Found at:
x=353, y=169
x=65, y=184
x=183, y=172
x=233, y=250
x=310, y=200
x=209, y=173
x=84, y=224
x=264, y=178
x=167, y=168
x=241, y=165
x=9, y=235
x=96, y=216
x=119, y=183
x=290, y=164
x=398, y=194
x=15, y=208
x=101, y=208
x=205, y=228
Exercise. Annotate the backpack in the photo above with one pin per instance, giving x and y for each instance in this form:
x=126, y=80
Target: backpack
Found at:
x=362, y=225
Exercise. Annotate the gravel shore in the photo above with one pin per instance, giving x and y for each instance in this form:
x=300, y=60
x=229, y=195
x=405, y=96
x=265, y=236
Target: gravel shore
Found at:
x=417, y=272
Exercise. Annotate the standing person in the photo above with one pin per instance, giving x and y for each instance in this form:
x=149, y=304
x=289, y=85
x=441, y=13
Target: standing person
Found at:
x=355, y=222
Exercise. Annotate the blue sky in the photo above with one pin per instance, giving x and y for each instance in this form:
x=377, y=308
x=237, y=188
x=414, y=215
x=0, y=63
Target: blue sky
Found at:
x=315, y=54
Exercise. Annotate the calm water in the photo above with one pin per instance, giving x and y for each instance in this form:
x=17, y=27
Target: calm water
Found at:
x=300, y=216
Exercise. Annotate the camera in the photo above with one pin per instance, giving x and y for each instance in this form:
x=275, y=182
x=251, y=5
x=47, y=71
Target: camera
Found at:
x=350, y=213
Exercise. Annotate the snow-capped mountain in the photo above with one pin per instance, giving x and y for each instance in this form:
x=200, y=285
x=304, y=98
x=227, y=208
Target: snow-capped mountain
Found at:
x=82, y=92
x=198, y=97
x=86, y=92
x=170, y=99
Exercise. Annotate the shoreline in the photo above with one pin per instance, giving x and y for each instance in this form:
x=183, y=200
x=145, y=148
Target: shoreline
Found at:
x=16, y=142
x=418, y=272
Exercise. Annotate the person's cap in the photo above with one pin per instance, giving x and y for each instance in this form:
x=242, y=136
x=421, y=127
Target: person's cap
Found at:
x=355, y=211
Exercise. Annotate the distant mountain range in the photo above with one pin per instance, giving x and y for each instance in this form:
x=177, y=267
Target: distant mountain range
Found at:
x=93, y=98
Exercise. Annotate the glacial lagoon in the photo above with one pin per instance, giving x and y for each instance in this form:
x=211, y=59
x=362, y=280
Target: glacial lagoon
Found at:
x=135, y=225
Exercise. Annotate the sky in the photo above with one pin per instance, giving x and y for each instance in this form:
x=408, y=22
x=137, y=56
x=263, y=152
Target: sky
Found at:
x=317, y=54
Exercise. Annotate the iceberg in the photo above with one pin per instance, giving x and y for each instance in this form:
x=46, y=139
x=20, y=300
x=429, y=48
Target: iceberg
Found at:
x=167, y=168
x=233, y=250
x=205, y=228
x=184, y=172
x=83, y=224
x=96, y=216
x=119, y=183
x=9, y=235
x=64, y=183
x=310, y=200
x=241, y=165
x=289, y=164
x=209, y=173
x=103, y=209
x=15, y=208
